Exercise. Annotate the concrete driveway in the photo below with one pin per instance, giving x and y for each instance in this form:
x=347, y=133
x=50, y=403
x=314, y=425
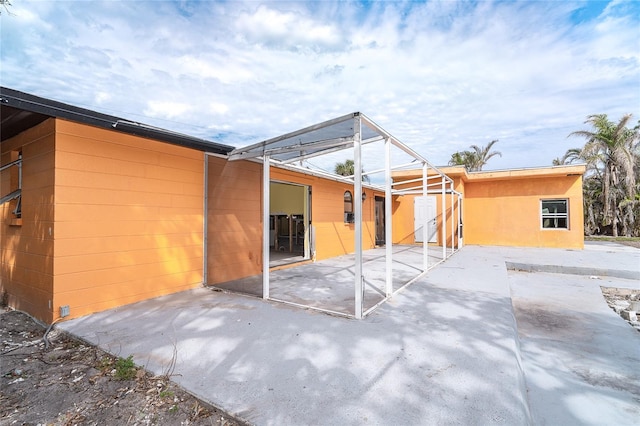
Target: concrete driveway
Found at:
x=447, y=350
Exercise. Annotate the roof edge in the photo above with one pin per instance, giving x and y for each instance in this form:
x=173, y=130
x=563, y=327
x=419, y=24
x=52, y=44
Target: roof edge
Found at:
x=518, y=173
x=48, y=107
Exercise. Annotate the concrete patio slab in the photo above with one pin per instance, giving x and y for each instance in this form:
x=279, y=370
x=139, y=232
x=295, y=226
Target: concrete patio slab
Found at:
x=329, y=284
x=581, y=360
x=443, y=351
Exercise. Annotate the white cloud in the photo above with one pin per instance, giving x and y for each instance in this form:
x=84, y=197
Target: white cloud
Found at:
x=102, y=97
x=291, y=29
x=166, y=109
x=440, y=76
x=218, y=108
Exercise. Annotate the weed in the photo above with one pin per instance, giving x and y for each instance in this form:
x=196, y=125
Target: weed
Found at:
x=166, y=394
x=125, y=368
x=104, y=363
x=173, y=409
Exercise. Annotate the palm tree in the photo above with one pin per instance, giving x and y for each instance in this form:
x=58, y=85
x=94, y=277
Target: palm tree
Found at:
x=476, y=159
x=345, y=169
x=348, y=169
x=571, y=156
x=483, y=155
x=611, y=154
x=463, y=158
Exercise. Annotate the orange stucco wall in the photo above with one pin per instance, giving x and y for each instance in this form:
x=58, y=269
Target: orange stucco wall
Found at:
x=110, y=218
x=234, y=238
x=502, y=208
x=334, y=237
x=128, y=218
x=507, y=212
x=26, y=249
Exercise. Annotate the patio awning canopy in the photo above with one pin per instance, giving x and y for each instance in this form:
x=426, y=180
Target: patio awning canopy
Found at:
x=323, y=138
x=349, y=131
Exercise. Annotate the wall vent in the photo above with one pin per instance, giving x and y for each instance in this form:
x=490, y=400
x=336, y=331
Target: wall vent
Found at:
x=64, y=311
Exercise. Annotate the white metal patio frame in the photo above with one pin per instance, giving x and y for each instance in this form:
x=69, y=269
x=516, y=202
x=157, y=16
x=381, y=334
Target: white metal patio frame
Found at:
x=352, y=131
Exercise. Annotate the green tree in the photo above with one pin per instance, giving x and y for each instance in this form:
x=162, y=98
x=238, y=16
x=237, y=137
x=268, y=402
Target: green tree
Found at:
x=462, y=158
x=475, y=159
x=611, y=193
x=348, y=169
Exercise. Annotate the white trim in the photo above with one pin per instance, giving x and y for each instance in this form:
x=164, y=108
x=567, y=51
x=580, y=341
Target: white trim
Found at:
x=554, y=215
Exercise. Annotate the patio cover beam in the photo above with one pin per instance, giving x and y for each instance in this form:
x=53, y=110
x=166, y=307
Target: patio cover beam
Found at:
x=305, y=156
x=259, y=147
x=323, y=144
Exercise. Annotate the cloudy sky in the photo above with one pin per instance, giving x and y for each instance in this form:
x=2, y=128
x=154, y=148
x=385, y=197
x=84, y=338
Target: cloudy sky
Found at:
x=438, y=75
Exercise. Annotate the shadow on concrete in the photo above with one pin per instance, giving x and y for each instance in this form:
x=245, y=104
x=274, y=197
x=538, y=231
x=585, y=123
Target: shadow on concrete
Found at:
x=430, y=356
x=444, y=351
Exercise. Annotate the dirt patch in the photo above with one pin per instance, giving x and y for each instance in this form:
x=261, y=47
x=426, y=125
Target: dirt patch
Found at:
x=630, y=243
x=621, y=299
x=62, y=381
x=627, y=241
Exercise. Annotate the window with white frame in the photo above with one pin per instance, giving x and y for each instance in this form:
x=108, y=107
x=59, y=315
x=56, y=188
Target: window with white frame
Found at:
x=554, y=214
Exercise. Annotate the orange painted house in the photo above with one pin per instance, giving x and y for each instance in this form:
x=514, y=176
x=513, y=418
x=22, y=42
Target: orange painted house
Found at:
x=97, y=212
x=539, y=207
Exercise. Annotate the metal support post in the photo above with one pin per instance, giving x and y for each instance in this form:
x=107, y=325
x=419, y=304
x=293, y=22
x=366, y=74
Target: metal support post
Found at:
x=460, y=225
x=388, y=234
x=265, y=225
x=425, y=220
x=357, y=201
x=205, y=222
x=452, y=221
x=444, y=219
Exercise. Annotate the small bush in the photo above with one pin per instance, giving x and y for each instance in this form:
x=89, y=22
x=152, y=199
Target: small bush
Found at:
x=125, y=368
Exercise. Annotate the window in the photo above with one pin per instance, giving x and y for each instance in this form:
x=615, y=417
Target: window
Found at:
x=15, y=183
x=348, y=207
x=554, y=214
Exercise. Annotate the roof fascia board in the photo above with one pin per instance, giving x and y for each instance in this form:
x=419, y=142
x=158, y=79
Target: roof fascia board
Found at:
x=144, y=130
x=51, y=108
x=531, y=173
x=481, y=176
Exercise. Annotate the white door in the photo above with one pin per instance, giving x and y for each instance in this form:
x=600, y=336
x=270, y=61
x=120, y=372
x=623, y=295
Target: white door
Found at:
x=420, y=209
